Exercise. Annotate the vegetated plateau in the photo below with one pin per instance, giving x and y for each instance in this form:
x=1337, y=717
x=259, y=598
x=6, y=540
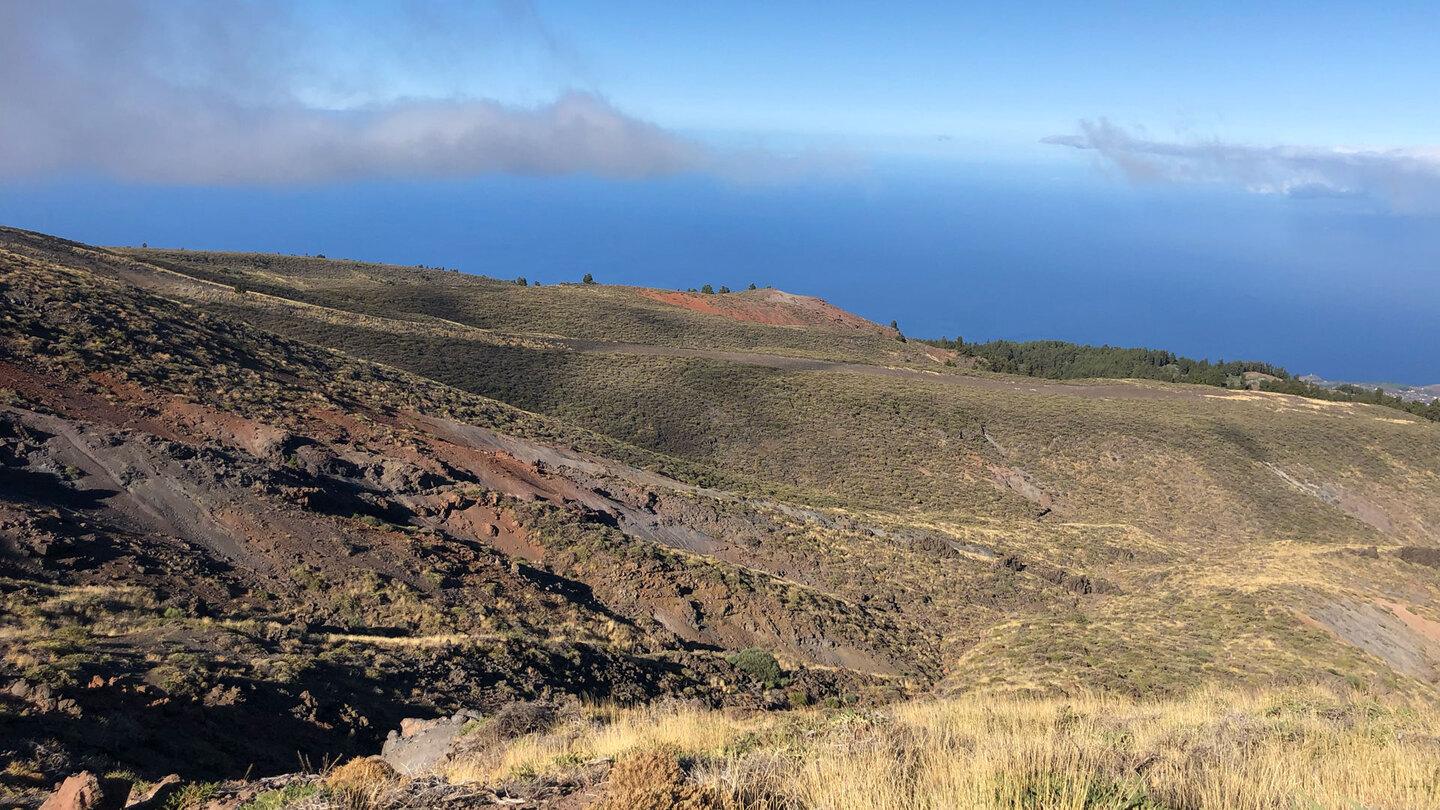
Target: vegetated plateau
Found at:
x=677, y=549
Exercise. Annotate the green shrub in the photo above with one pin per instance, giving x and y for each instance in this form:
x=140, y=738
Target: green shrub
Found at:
x=191, y=796
x=276, y=799
x=759, y=664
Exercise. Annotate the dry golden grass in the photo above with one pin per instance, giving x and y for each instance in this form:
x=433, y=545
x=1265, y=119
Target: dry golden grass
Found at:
x=361, y=772
x=654, y=780
x=1214, y=749
x=605, y=732
x=439, y=640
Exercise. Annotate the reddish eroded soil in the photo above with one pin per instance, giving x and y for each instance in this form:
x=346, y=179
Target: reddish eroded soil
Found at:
x=1427, y=628
x=264, y=499
x=70, y=400
x=770, y=307
x=1408, y=642
x=101, y=435
x=325, y=522
x=398, y=457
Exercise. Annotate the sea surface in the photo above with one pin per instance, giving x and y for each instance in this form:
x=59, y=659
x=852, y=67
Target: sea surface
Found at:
x=1335, y=287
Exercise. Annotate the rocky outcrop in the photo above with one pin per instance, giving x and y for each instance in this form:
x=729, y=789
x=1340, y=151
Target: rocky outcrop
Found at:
x=1022, y=483
x=421, y=745
x=1420, y=556
x=86, y=791
x=157, y=796
x=1081, y=584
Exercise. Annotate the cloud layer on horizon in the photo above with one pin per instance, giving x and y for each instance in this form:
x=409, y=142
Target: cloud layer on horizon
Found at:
x=1407, y=180
x=207, y=94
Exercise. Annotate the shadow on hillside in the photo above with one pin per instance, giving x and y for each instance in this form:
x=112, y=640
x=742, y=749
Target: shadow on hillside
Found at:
x=48, y=489
x=270, y=729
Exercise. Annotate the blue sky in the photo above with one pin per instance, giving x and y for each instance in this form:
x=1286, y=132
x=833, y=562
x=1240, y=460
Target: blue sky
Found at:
x=1298, y=73
x=1316, y=73
x=1278, y=160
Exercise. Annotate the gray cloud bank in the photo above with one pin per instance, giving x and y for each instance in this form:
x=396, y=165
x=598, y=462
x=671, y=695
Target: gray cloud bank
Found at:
x=203, y=93
x=1405, y=179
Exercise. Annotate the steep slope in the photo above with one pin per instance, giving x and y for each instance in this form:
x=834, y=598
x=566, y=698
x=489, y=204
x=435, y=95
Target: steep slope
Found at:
x=210, y=528
x=1176, y=489
x=481, y=491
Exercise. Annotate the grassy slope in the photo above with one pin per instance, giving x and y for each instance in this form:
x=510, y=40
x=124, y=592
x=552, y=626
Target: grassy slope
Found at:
x=1176, y=500
x=1276, y=749
x=1192, y=537
x=593, y=312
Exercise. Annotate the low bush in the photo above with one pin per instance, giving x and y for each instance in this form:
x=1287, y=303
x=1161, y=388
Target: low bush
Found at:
x=759, y=664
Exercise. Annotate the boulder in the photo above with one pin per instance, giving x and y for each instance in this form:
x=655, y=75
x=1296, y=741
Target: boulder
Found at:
x=86, y=791
x=157, y=794
x=421, y=745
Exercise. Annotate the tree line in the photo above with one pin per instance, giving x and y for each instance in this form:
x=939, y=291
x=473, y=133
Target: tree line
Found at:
x=1353, y=393
x=1059, y=360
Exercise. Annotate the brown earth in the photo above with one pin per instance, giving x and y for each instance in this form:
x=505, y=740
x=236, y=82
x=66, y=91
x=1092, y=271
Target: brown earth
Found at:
x=368, y=528
x=401, y=479
x=1388, y=630
x=771, y=307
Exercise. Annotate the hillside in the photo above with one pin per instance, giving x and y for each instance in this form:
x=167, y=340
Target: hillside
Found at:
x=1059, y=360
x=1409, y=393
x=589, y=312
x=304, y=498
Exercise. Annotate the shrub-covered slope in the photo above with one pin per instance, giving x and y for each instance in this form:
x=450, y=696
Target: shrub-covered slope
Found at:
x=241, y=487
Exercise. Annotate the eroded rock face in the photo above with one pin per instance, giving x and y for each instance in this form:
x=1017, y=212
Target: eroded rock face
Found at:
x=421, y=745
x=86, y=791
x=1420, y=556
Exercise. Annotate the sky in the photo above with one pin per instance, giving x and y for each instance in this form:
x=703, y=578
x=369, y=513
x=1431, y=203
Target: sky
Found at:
x=1220, y=179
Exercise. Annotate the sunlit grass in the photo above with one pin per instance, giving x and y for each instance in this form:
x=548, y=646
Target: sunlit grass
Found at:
x=1213, y=749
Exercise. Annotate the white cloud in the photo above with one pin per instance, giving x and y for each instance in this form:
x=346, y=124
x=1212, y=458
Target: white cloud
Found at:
x=211, y=93
x=1406, y=179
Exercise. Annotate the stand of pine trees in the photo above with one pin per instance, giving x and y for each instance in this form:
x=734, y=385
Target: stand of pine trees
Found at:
x=1058, y=360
